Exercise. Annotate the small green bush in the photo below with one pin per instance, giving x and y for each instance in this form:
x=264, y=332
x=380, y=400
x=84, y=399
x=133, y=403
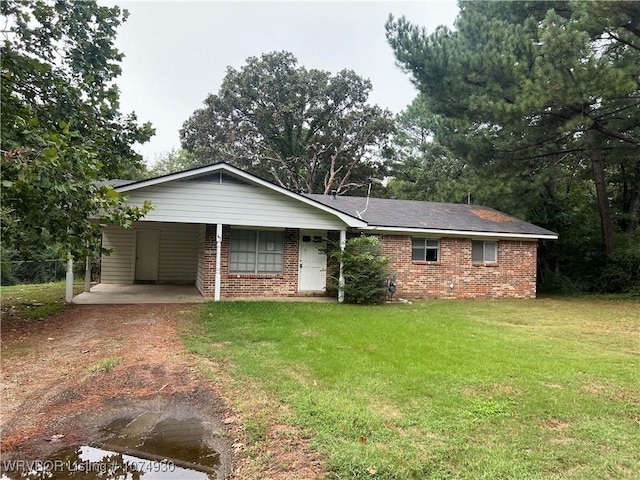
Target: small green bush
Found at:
x=364, y=270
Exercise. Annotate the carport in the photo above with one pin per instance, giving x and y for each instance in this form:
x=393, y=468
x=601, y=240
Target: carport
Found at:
x=229, y=233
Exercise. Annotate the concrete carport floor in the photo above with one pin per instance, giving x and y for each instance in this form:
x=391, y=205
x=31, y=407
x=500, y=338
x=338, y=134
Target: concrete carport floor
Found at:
x=110, y=294
x=113, y=294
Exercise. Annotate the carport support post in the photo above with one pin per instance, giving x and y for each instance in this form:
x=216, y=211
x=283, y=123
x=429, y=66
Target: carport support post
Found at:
x=216, y=292
x=343, y=242
x=68, y=292
x=87, y=275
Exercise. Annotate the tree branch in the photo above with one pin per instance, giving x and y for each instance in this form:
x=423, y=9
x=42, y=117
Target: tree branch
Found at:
x=632, y=29
x=617, y=110
x=623, y=41
x=618, y=135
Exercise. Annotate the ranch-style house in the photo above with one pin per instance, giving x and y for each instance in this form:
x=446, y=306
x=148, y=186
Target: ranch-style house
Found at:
x=232, y=234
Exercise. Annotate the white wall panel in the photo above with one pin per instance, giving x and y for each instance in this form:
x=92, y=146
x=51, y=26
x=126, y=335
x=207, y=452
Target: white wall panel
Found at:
x=119, y=266
x=200, y=266
x=178, y=254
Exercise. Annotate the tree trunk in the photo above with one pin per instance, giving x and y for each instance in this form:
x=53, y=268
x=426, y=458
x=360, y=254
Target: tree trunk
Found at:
x=634, y=203
x=597, y=163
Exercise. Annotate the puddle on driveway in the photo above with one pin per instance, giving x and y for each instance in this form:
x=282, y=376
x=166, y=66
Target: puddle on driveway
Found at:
x=149, y=446
x=170, y=438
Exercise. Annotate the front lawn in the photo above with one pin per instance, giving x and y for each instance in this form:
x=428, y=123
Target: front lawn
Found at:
x=441, y=389
x=33, y=301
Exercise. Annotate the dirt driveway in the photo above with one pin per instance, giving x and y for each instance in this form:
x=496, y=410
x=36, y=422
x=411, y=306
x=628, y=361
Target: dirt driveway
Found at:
x=64, y=376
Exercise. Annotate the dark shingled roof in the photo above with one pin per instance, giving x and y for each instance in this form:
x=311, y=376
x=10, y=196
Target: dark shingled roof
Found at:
x=412, y=214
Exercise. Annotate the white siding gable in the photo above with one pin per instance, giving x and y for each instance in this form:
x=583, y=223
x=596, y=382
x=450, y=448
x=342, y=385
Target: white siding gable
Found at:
x=230, y=201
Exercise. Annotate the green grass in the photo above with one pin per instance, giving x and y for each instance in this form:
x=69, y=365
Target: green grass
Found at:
x=105, y=365
x=30, y=302
x=441, y=389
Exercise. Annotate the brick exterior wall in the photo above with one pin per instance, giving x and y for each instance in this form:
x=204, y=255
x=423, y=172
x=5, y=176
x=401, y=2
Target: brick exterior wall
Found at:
x=246, y=285
x=513, y=276
x=456, y=276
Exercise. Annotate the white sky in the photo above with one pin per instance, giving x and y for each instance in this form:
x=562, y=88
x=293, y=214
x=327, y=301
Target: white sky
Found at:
x=176, y=53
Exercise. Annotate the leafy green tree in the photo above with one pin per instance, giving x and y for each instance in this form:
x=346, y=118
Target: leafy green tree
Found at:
x=174, y=160
x=61, y=124
x=536, y=86
x=59, y=64
x=307, y=130
x=52, y=197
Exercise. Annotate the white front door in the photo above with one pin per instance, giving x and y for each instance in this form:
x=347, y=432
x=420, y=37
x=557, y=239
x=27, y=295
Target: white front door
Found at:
x=312, y=273
x=147, y=253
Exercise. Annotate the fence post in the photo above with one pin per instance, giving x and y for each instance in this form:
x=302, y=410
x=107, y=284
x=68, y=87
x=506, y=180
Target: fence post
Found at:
x=68, y=295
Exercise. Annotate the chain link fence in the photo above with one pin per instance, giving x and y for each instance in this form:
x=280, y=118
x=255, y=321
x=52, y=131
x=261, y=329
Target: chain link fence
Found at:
x=21, y=272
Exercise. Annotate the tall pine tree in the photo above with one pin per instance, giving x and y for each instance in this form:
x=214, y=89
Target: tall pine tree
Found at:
x=536, y=85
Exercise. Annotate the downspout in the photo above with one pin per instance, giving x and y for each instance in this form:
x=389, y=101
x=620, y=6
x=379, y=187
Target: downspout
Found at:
x=216, y=295
x=343, y=241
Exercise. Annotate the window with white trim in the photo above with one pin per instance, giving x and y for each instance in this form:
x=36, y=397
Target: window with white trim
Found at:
x=256, y=251
x=425, y=249
x=484, y=251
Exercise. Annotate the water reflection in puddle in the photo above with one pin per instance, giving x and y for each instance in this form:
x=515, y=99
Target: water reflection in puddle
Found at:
x=181, y=440
x=91, y=462
x=143, y=447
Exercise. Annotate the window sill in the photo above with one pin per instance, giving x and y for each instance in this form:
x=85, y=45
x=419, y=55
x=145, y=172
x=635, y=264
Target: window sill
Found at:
x=424, y=262
x=485, y=264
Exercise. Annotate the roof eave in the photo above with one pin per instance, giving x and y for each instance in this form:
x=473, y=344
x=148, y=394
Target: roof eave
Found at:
x=462, y=233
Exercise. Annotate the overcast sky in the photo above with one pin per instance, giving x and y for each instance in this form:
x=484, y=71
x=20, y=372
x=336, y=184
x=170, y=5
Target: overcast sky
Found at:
x=176, y=53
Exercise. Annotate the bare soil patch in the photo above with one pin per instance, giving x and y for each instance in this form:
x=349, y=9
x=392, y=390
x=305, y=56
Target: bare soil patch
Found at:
x=66, y=376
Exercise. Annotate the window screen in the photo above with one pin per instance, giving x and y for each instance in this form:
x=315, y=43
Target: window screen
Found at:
x=255, y=251
x=425, y=250
x=484, y=252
